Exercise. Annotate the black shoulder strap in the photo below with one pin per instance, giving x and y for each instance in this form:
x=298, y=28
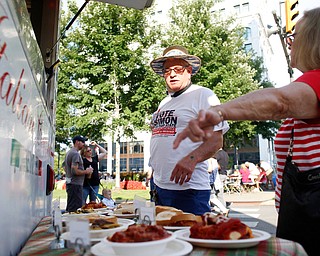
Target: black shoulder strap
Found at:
x=290, y=151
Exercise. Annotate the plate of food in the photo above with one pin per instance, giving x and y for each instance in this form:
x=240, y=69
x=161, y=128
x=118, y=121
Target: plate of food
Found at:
x=173, y=219
x=70, y=216
x=219, y=231
x=124, y=215
x=139, y=240
x=103, y=226
x=103, y=211
x=258, y=236
x=124, y=210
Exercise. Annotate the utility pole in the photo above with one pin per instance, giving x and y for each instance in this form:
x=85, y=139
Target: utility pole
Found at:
x=282, y=37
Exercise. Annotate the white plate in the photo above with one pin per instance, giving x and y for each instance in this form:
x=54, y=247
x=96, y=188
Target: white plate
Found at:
x=127, y=216
x=105, y=209
x=98, y=234
x=174, y=248
x=66, y=236
x=174, y=228
x=126, y=222
x=210, y=243
x=66, y=217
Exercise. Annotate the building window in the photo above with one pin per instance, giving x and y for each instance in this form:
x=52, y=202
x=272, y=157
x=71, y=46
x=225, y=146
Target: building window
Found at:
x=245, y=7
x=136, y=164
x=123, y=164
x=247, y=33
x=123, y=148
x=222, y=11
x=136, y=147
x=248, y=47
x=237, y=9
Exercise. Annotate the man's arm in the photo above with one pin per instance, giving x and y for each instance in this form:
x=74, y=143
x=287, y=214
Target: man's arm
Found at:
x=183, y=170
x=75, y=170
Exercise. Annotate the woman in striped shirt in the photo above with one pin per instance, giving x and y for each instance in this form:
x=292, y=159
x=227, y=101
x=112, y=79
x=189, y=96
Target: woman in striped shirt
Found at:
x=299, y=104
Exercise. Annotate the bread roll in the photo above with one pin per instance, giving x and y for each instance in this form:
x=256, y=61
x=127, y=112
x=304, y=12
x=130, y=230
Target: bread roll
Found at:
x=164, y=218
x=185, y=220
x=160, y=208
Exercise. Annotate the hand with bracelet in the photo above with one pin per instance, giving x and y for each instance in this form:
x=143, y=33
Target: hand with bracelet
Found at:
x=201, y=128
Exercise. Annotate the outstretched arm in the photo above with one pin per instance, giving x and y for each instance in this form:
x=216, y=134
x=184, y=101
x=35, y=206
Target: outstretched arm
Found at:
x=296, y=100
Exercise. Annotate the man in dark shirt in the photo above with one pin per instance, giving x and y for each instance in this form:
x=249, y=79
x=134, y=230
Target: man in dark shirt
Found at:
x=223, y=160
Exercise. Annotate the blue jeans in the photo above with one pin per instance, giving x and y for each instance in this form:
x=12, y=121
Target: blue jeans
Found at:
x=190, y=200
x=87, y=191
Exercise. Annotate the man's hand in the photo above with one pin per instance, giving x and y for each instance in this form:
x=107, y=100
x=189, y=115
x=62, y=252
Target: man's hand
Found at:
x=183, y=170
x=89, y=170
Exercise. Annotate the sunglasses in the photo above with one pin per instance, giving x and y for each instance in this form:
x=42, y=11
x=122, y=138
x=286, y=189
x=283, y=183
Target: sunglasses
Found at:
x=88, y=150
x=177, y=70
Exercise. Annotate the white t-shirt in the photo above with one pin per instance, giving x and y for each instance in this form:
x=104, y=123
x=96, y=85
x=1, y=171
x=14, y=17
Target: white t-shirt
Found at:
x=171, y=117
x=108, y=202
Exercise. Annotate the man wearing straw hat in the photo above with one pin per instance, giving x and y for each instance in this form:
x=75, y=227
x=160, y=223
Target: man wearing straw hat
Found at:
x=180, y=176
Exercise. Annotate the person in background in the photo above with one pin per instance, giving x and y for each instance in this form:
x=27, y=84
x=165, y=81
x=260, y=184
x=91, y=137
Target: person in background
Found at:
x=180, y=176
x=269, y=173
x=216, y=186
x=223, y=161
x=297, y=143
x=254, y=171
x=107, y=199
x=244, y=171
x=91, y=183
x=75, y=174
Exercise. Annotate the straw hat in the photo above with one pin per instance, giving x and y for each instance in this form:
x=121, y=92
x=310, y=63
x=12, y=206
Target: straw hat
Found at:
x=176, y=52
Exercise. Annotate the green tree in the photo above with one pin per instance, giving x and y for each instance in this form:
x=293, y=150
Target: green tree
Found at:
x=218, y=42
x=104, y=78
x=105, y=84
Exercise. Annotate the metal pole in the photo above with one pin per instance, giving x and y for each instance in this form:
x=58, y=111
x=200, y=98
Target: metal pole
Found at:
x=279, y=32
x=67, y=27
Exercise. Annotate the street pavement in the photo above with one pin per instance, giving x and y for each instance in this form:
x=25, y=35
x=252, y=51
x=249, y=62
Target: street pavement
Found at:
x=266, y=197
x=255, y=209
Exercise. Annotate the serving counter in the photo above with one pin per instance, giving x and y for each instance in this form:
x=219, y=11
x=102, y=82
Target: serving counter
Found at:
x=39, y=244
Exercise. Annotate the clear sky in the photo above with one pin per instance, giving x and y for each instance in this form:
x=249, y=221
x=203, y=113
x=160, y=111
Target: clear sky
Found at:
x=308, y=4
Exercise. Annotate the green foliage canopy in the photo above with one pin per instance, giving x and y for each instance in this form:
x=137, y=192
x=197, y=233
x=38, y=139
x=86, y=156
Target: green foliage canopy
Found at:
x=105, y=67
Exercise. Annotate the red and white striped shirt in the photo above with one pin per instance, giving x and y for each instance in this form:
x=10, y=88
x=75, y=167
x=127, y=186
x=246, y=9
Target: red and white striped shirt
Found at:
x=306, y=149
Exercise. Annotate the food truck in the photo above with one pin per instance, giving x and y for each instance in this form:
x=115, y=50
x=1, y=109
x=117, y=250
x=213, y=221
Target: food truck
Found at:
x=29, y=35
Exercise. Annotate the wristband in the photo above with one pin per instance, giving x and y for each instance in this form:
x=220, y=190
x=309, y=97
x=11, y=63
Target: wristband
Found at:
x=221, y=115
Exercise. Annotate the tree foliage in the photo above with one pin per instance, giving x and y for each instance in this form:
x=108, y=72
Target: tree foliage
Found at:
x=218, y=42
x=105, y=67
